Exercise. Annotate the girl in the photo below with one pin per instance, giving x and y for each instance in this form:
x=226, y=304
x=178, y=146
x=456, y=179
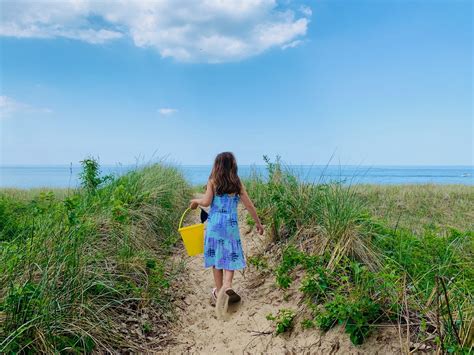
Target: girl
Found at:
x=222, y=246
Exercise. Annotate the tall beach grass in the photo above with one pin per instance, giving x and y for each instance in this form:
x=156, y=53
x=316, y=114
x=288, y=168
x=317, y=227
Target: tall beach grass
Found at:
x=365, y=255
x=88, y=270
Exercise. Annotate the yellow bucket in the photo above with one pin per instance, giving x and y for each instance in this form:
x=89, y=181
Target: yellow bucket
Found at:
x=193, y=236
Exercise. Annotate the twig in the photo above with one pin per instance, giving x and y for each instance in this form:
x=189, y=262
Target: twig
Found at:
x=415, y=349
x=438, y=323
x=405, y=298
x=449, y=312
x=258, y=333
x=399, y=315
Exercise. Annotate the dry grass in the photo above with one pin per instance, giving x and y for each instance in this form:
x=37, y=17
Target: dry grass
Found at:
x=416, y=207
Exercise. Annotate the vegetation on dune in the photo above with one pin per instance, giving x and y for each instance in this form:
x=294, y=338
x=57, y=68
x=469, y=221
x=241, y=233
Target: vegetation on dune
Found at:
x=417, y=207
x=358, y=268
x=283, y=320
x=87, y=269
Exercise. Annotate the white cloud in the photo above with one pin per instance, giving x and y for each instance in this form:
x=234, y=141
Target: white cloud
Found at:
x=187, y=30
x=10, y=106
x=306, y=10
x=292, y=44
x=166, y=111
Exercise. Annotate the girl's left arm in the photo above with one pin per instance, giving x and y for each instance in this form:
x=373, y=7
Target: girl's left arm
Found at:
x=206, y=200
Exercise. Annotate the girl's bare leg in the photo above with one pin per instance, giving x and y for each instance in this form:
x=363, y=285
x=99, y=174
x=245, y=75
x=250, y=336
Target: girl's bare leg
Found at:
x=218, y=276
x=228, y=276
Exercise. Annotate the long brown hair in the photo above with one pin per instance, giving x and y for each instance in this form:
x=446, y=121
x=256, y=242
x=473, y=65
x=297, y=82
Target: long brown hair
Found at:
x=224, y=174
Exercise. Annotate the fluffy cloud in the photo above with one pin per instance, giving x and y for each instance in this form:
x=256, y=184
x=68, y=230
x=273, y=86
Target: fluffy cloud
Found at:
x=10, y=106
x=187, y=30
x=165, y=111
x=306, y=10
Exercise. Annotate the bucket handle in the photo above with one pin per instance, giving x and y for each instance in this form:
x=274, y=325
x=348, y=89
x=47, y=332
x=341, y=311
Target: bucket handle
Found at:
x=182, y=217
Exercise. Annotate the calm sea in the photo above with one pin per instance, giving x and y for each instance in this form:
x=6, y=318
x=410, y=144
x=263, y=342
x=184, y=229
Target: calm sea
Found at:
x=66, y=176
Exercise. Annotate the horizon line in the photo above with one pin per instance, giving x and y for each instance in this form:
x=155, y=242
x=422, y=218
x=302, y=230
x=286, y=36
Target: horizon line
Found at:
x=62, y=165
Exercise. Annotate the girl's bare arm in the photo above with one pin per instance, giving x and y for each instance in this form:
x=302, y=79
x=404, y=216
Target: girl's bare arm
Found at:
x=206, y=200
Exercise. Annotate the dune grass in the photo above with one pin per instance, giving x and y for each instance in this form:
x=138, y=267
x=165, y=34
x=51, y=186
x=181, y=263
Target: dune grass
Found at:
x=88, y=269
x=30, y=194
x=364, y=255
x=417, y=207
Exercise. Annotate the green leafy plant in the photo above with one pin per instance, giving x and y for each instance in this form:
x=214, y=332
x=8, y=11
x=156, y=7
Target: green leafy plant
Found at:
x=315, y=284
x=147, y=327
x=258, y=261
x=249, y=220
x=291, y=257
x=357, y=315
x=283, y=320
x=308, y=324
x=90, y=175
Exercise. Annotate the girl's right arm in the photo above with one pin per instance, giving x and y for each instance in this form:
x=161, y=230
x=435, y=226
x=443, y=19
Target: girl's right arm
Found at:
x=206, y=200
x=244, y=197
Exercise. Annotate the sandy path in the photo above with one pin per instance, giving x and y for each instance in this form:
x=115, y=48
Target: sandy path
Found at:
x=247, y=331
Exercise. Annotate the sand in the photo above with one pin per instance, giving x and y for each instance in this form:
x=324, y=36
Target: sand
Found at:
x=246, y=329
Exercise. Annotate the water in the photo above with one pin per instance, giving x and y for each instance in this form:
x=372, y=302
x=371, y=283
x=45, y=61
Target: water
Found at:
x=66, y=176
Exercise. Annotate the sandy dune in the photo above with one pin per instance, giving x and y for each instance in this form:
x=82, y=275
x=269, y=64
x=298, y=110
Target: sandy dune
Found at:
x=246, y=329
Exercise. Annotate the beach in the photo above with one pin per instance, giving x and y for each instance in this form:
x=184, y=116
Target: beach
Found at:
x=116, y=238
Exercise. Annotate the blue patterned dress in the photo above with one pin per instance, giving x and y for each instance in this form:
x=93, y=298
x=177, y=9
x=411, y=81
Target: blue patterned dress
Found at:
x=222, y=246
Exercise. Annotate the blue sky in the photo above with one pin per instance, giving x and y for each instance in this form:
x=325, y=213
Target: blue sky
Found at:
x=370, y=82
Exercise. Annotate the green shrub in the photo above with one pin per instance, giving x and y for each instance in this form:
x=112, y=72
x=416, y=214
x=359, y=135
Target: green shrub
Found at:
x=259, y=262
x=308, y=324
x=90, y=175
x=315, y=284
x=290, y=259
x=283, y=320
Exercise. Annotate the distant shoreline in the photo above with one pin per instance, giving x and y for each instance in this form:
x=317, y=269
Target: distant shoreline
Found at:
x=67, y=176
x=427, y=166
